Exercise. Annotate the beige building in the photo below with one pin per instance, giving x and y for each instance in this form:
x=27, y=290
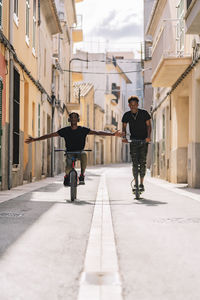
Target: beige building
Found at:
x=175, y=79
x=110, y=92
x=83, y=95
x=100, y=153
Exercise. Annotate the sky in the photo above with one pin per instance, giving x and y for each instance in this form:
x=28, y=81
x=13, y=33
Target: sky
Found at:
x=111, y=25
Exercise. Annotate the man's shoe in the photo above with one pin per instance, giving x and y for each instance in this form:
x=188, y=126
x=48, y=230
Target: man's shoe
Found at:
x=66, y=180
x=134, y=189
x=81, y=179
x=141, y=187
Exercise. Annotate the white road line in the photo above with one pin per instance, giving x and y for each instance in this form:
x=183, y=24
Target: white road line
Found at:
x=100, y=279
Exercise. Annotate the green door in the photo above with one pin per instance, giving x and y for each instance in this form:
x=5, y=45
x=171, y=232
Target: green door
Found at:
x=1, y=89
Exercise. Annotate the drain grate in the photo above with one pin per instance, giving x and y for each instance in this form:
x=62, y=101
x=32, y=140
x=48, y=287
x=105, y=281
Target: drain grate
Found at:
x=177, y=220
x=10, y=215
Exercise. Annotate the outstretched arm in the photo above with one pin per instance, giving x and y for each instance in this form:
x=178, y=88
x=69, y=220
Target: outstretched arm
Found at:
x=148, y=123
x=105, y=133
x=43, y=137
x=124, y=140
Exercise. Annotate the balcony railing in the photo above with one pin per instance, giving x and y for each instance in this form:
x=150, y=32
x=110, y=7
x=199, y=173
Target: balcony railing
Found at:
x=170, y=42
x=169, y=48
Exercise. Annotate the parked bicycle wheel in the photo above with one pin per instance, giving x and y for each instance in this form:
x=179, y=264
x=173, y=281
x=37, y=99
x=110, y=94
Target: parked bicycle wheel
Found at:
x=73, y=184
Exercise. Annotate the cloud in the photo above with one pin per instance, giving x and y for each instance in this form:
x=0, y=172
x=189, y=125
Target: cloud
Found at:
x=119, y=25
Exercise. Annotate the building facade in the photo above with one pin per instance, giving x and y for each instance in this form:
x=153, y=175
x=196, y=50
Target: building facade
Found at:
x=36, y=43
x=175, y=79
x=110, y=91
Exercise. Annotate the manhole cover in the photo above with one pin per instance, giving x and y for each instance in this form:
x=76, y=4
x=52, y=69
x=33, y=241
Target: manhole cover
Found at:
x=10, y=215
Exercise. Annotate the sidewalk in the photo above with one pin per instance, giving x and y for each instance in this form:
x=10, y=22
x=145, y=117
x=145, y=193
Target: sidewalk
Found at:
x=29, y=187
x=181, y=189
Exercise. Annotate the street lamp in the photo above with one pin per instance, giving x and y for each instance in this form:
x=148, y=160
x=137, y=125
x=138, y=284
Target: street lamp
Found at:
x=70, y=61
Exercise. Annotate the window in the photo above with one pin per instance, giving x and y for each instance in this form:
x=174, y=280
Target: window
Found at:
x=16, y=116
x=27, y=17
x=16, y=7
x=180, y=28
x=1, y=4
x=38, y=119
x=34, y=22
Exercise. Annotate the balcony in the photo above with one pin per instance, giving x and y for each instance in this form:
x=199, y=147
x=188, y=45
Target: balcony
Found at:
x=73, y=106
x=77, y=76
x=77, y=32
x=169, y=59
x=192, y=17
x=51, y=16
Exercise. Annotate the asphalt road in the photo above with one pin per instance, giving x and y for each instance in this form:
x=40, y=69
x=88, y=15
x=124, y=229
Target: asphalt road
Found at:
x=158, y=240
x=43, y=239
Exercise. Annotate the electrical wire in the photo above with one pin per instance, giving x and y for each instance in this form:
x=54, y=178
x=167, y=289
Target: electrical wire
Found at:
x=102, y=73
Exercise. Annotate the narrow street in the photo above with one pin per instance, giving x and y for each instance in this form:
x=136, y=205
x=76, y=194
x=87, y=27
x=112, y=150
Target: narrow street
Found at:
x=50, y=250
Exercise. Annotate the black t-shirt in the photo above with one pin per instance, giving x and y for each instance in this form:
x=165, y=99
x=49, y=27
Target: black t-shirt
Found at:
x=137, y=123
x=74, y=138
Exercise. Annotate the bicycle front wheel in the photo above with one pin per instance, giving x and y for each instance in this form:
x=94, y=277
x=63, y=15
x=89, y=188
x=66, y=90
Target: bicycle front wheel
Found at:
x=73, y=184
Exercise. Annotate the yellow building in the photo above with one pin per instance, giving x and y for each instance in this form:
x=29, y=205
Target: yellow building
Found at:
x=175, y=78
x=35, y=49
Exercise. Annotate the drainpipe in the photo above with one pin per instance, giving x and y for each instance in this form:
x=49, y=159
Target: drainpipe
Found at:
x=11, y=75
x=52, y=130
x=53, y=104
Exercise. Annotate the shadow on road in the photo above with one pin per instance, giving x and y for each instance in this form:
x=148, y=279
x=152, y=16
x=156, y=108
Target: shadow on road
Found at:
x=80, y=202
x=19, y=214
x=149, y=202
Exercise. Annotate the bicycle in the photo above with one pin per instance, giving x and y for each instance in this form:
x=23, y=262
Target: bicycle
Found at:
x=73, y=175
x=135, y=189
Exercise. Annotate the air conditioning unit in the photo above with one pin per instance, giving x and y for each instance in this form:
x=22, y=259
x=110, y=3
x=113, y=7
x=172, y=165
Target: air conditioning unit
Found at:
x=150, y=52
x=61, y=16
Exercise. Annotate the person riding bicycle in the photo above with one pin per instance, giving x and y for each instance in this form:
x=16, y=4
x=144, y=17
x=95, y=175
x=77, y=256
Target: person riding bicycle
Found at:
x=140, y=130
x=75, y=137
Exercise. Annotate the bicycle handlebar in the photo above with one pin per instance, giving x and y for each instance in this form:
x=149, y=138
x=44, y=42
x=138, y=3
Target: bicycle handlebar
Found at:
x=137, y=141
x=71, y=152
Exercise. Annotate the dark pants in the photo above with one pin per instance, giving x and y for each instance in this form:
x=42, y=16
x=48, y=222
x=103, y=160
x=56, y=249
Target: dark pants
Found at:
x=138, y=153
x=82, y=157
